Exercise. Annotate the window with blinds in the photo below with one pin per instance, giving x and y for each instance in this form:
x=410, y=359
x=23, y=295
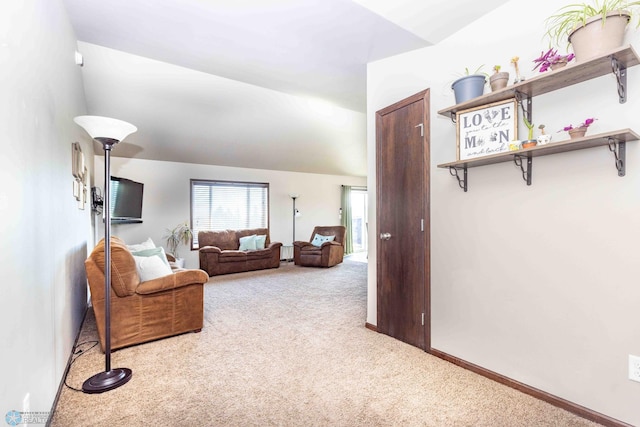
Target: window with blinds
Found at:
x=227, y=205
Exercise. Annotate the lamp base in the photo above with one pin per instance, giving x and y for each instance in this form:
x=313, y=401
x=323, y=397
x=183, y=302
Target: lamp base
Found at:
x=107, y=380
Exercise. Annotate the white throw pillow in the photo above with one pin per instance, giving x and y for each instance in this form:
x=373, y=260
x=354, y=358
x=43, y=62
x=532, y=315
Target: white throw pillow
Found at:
x=260, y=241
x=319, y=239
x=151, y=267
x=248, y=243
x=147, y=244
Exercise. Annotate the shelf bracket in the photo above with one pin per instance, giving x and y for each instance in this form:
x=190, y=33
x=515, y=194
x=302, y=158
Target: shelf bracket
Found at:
x=462, y=182
x=620, y=153
x=453, y=117
x=528, y=110
x=620, y=71
x=526, y=173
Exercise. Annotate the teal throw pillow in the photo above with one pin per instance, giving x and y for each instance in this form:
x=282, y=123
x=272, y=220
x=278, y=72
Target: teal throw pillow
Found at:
x=260, y=241
x=319, y=239
x=159, y=252
x=248, y=243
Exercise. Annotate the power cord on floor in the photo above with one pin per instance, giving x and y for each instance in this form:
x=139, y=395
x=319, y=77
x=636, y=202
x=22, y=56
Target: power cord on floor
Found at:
x=77, y=352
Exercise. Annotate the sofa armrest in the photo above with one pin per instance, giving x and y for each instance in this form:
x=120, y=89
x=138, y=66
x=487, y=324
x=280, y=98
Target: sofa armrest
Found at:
x=211, y=249
x=172, y=281
x=274, y=245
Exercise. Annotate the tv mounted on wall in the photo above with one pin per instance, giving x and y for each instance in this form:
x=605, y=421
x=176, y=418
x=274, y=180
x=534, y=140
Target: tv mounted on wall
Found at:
x=126, y=200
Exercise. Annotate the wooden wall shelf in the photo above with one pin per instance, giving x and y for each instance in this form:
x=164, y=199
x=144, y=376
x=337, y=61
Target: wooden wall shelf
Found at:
x=615, y=140
x=553, y=80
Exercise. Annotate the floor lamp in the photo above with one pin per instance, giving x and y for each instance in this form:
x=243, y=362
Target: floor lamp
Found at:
x=107, y=132
x=296, y=213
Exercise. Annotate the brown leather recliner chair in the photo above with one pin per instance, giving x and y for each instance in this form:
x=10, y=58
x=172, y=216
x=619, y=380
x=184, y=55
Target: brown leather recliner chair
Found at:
x=327, y=255
x=143, y=311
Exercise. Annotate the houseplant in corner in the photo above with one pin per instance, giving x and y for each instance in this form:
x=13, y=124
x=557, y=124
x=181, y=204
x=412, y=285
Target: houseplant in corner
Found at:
x=469, y=86
x=593, y=28
x=180, y=234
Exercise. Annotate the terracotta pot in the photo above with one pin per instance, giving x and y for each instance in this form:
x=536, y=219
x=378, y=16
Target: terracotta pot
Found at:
x=530, y=143
x=577, y=132
x=558, y=65
x=594, y=39
x=499, y=80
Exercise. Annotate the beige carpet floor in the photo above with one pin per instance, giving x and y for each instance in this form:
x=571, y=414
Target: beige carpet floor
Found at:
x=288, y=347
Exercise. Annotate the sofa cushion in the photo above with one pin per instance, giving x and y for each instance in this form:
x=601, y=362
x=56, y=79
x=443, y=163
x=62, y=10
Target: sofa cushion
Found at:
x=151, y=267
x=232, y=256
x=147, y=244
x=319, y=239
x=261, y=239
x=225, y=240
x=155, y=252
x=248, y=243
x=259, y=254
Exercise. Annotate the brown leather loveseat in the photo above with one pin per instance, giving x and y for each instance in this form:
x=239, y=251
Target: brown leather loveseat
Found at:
x=220, y=252
x=143, y=311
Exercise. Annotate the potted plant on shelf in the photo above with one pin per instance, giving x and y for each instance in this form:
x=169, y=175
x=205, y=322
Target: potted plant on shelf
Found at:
x=499, y=79
x=551, y=59
x=591, y=28
x=180, y=234
x=469, y=86
x=543, y=138
x=580, y=131
x=530, y=142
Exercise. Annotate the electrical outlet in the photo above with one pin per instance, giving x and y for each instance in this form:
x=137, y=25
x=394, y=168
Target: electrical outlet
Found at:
x=634, y=368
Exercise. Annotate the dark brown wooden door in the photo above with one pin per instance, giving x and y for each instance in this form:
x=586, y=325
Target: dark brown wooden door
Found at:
x=402, y=149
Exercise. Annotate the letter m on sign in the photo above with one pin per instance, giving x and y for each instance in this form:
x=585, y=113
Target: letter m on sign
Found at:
x=470, y=142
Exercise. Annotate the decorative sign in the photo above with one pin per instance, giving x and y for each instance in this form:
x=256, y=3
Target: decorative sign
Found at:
x=486, y=130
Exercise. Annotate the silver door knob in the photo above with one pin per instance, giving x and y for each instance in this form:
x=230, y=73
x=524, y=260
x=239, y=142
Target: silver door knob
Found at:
x=385, y=236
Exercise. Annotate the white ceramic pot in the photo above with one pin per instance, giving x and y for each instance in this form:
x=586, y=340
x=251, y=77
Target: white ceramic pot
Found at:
x=594, y=39
x=544, y=139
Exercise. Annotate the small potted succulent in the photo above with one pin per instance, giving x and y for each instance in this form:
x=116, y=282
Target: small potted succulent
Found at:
x=470, y=86
x=579, y=131
x=543, y=138
x=530, y=142
x=551, y=59
x=518, y=77
x=499, y=79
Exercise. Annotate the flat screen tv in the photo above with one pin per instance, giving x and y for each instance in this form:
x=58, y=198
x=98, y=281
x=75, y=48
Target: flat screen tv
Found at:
x=126, y=200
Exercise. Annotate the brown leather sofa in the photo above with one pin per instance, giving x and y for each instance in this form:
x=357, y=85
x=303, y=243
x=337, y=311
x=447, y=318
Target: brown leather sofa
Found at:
x=220, y=254
x=143, y=311
x=327, y=255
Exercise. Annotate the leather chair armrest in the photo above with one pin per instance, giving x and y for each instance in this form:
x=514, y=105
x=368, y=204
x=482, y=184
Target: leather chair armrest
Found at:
x=172, y=281
x=331, y=243
x=211, y=249
x=300, y=244
x=274, y=245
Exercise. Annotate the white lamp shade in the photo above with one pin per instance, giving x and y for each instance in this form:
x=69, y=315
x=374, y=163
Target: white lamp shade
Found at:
x=105, y=127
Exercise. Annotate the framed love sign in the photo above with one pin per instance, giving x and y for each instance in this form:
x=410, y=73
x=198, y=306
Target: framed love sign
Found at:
x=486, y=130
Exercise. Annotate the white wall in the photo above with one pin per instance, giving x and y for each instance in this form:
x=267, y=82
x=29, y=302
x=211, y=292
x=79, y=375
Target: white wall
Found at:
x=166, y=198
x=537, y=283
x=44, y=234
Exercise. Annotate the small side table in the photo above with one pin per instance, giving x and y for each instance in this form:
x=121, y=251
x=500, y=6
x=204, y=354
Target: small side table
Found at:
x=286, y=253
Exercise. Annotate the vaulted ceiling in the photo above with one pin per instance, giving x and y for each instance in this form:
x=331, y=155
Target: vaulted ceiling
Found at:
x=270, y=84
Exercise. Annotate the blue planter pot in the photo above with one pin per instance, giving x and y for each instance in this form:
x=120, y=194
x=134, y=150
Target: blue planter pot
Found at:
x=468, y=87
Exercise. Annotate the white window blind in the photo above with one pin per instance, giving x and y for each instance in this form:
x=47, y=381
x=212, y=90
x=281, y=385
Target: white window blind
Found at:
x=226, y=205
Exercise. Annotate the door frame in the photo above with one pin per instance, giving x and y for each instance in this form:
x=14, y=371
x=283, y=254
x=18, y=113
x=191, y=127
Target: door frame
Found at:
x=423, y=96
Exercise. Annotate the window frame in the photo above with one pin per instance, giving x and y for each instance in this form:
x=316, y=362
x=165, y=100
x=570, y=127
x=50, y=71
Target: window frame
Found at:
x=212, y=182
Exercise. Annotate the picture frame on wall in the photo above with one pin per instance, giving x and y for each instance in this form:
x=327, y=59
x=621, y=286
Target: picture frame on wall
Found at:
x=486, y=130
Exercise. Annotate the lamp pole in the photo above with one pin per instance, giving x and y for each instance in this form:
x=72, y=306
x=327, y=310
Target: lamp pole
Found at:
x=294, y=197
x=97, y=127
